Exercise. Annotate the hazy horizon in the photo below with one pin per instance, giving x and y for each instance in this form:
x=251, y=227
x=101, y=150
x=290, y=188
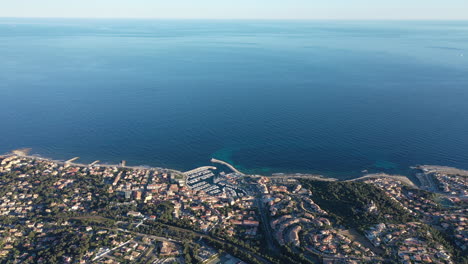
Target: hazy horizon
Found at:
x=242, y=10
x=240, y=19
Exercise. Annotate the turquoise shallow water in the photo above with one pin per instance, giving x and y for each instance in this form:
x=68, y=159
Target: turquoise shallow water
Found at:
x=323, y=97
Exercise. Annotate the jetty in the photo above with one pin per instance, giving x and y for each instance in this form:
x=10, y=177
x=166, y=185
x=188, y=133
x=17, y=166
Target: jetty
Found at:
x=21, y=152
x=72, y=160
x=227, y=165
x=94, y=163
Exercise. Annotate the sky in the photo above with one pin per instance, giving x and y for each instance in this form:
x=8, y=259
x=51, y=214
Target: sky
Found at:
x=239, y=9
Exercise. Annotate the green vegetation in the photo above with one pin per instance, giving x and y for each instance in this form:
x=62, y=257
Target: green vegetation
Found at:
x=190, y=252
x=347, y=203
x=163, y=210
x=163, y=230
x=65, y=244
x=178, y=176
x=233, y=250
x=444, y=239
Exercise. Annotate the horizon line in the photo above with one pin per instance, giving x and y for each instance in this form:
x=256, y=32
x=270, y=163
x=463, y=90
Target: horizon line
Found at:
x=245, y=19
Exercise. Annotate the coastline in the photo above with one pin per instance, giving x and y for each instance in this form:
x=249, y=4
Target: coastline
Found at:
x=402, y=178
x=405, y=179
x=22, y=153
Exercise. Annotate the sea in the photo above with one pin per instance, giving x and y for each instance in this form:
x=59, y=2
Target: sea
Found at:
x=336, y=98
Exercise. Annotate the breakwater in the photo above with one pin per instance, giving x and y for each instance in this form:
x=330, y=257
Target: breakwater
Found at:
x=227, y=165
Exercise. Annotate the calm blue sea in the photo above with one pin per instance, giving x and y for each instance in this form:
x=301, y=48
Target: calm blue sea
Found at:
x=325, y=97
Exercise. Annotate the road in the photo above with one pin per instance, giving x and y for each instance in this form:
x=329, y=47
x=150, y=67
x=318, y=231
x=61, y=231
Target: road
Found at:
x=203, y=235
x=151, y=236
x=266, y=226
x=195, y=233
x=110, y=250
x=344, y=258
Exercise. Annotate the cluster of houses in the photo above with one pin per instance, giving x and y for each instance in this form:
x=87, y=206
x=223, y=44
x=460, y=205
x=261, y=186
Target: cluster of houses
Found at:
x=405, y=242
x=332, y=243
x=450, y=219
x=138, y=248
x=451, y=181
x=453, y=184
x=26, y=196
x=228, y=210
x=205, y=253
x=298, y=221
x=456, y=223
x=207, y=200
x=31, y=236
x=233, y=213
x=15, y=204
x=12, y=236
x=32, y=189
x=17, y=199
x=400, y=193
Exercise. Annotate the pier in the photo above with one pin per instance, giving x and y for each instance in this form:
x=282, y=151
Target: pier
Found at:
x=94, y=163
x=227, y=165
x=69, y=162
x=72, y=160
x=199, y=170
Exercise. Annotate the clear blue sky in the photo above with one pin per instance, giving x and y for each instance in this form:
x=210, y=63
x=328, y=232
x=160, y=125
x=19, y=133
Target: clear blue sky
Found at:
x=242, y=9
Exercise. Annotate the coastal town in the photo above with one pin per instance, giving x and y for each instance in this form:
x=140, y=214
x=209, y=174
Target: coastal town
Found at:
x=66, y=212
